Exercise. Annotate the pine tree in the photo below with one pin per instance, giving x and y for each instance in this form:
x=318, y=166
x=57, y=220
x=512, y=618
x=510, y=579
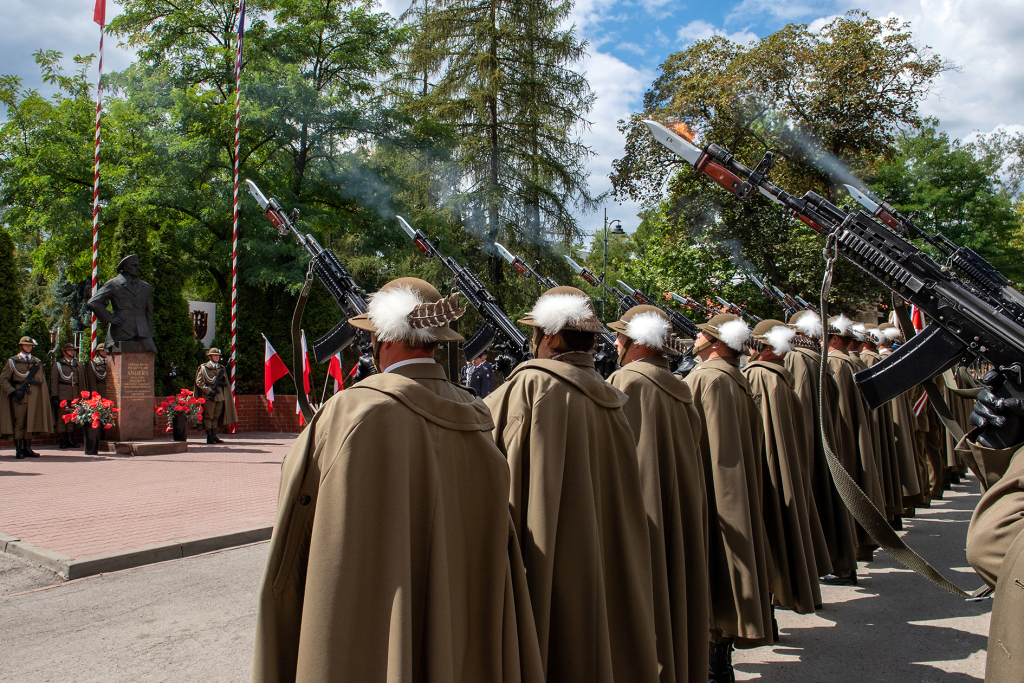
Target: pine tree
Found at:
x=10, y=297
x=131, y=236
x=179, y=352
x=37, y=328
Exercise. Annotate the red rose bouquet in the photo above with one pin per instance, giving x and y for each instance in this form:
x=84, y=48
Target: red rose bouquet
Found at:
x=185, y=404
x=91, y=409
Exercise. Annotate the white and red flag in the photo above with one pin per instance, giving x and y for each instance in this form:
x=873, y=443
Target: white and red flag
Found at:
x=99, y=12
x=306, y=372
x=920, y=403
x=334, y=370
x=273, y=370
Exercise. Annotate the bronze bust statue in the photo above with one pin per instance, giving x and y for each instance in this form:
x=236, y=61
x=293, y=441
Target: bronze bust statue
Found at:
x=131, y=323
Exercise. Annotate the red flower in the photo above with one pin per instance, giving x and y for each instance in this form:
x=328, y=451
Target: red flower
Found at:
x=67, y=418
x=95, y=394
x=106, y=403
x=63, y=404
x=95, y=424
x=74, y=401
x=107, y=426
x=85, y=394
x=168, y=429
x=201, y=401
x=180, y=409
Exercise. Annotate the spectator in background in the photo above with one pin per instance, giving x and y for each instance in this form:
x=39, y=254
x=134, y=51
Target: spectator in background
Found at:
x=481, y=380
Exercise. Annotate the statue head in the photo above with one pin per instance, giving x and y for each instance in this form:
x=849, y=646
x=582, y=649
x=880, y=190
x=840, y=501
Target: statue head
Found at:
x=129, y=265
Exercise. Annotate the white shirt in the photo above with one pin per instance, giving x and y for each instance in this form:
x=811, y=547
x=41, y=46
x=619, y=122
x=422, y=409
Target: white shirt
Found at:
x=409, y=361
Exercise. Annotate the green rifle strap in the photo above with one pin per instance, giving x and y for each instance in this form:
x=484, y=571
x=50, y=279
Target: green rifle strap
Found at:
x=860, y=506
x=297, y=365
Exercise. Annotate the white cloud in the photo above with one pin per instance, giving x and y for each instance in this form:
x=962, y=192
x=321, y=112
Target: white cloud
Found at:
x=780, y=10
x=698, y=29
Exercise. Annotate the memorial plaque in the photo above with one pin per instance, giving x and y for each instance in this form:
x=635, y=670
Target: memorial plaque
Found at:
x=131, y=374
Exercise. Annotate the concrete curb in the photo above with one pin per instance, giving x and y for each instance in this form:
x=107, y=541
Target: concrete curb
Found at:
x=71, y=568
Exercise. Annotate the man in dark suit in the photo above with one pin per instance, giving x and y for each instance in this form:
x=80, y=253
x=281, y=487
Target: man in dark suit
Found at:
x=482, y=379
x=132, y=301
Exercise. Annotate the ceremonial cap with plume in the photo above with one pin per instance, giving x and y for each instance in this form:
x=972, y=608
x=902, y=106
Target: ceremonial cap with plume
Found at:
x=807, y=323
x=563, y=308
x=648, y=325
x=775, y=334
x=728, y=329
x=840, y=325
x=411, y=311
x=891, y=333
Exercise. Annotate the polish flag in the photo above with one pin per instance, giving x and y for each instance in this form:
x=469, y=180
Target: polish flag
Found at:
x=920, y=403
x=273, y=370
x=334, y=370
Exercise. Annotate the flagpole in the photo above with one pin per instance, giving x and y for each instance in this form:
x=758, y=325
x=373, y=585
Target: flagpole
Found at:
x=234, y=209
x=101, y=16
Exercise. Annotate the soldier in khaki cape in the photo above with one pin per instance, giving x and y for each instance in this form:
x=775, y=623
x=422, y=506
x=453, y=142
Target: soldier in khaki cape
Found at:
x=219, y=409
x=393, y=557
x=24, y=412
x=94, y=373
x=995, y=539
x=794, y=579
x=65, y=386
x=730, y=445
x=667, y=431
x=837, y=557
x=855, y=442
x=577, y=501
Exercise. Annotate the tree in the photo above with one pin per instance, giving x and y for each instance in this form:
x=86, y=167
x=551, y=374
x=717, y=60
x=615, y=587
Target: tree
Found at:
x=822, y=101
x=37, y=328
x=132, y=237
x=10, y=295
x=179, y=352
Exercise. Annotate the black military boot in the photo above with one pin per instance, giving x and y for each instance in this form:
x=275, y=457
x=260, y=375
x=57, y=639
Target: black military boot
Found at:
x=71, y=440
x=19, y=453
x=775, y=626
x=64, y=441
x=29, y=453
x=211, y=437
x=720, y=662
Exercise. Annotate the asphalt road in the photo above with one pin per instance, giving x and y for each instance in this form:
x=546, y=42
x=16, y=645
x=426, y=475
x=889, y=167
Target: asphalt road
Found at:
x=192, y=620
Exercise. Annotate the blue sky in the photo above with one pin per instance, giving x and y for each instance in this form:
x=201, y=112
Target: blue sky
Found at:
x=630, y=38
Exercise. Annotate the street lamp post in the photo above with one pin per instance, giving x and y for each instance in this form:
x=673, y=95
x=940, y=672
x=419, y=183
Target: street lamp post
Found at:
x=604, y=263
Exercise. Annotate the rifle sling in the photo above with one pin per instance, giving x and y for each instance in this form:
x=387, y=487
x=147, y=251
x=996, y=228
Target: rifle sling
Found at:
x=860, y=506
x=297, y=365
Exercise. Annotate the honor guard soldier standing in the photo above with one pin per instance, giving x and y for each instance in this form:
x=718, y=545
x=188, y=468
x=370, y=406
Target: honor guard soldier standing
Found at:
x=577, y=502
x=838, y=562
x=667, y=430
x=794, y=579
x=393, y=557
x=24, y=400
x=481, y=379
x=94, y=374
x=212, y=385
x=730, y=446
x=65, y=386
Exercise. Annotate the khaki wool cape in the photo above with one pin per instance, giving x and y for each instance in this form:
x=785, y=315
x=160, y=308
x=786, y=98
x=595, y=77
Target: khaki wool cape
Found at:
x=206, y=376
x=995, y=548
x=794, y=579
x=40, y=413
x=578, y=510
x=393, y=557
x=667, y=431
x=835, y=549
x=730, y=445
x=885, y=448
x=855, y=436
x=903, y=421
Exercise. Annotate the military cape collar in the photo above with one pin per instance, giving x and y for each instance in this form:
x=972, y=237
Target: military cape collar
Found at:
x=577, y=369
x=656, y=370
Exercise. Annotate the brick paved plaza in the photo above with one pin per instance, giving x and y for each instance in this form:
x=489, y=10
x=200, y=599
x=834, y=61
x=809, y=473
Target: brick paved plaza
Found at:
x=81, y=506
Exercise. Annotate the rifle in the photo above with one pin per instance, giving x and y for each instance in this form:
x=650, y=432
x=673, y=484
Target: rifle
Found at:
x=623, y=300
x=691, y=304
x=963, y=327
x=325, y=265
x=26, y=384
x=606, y=358
x=736, y=310
x=496, y=324
x=978, y=272
x=678, y=320
x=219, y=381
x=806, y=304
x=774, y=295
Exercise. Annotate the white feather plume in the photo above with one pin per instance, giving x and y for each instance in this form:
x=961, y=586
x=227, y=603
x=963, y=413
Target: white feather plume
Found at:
x=860, y=333
x=389, y=311
x=734, y=334
x=877, y=335
x=780, y=338
x=842, y=325
x=552, y=313
x=892, y=334
x=810, y=324
x=649, y=329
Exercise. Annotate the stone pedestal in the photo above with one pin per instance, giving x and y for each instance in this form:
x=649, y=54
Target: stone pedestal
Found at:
x=130, y=383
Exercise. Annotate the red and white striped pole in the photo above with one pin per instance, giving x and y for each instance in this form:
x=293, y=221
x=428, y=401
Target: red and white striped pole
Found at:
x=100, y=17
x=234, y=231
